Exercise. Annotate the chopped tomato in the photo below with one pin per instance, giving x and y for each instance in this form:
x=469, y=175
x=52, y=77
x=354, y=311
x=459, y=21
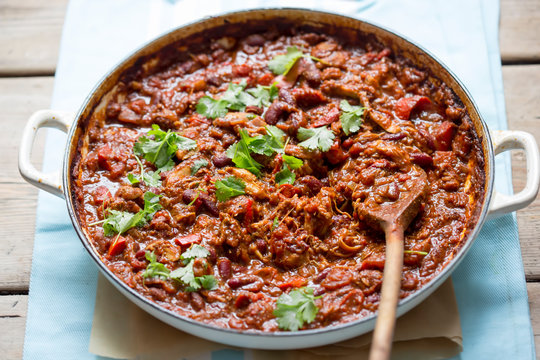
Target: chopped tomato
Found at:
x=404, y=106
x=294, y=282
x=188, y=240
x=101, y=194
x=118, y=246
x=248, y=216
x=444, y=134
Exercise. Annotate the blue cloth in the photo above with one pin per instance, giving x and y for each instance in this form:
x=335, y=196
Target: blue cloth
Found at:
x=490, y=284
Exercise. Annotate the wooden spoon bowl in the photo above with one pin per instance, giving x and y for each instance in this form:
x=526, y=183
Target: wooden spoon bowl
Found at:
x=393, y=218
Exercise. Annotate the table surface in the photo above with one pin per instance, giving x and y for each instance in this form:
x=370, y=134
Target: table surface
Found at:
x=30, y=33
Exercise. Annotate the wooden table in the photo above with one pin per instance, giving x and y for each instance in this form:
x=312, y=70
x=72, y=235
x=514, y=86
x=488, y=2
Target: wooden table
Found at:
x=29, y=39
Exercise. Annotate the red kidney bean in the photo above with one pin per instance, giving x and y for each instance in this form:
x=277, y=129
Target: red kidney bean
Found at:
x=422, y=159
x=224, y=268
x=221, y=160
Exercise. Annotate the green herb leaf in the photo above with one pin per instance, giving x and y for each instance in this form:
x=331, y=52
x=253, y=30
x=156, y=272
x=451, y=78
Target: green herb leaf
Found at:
x=285, y=176
x=151, y=205
x=240, y=153
x=351, y=117
x=208, y=282
x=296, y=308
x=275, y=223
x=160, y=150
x=235, y=96
x=317, y=138
x=118, y=222
x=185, y=274
x=262, y=96
x=229, y=187
x=198, y=165
x=155, y=268
x=212, y=108
x=293, y=162
x=133, y=179
x=274, y=138
x=282, y=64
x=195, y=251
x=150, y=178
x=416, y=252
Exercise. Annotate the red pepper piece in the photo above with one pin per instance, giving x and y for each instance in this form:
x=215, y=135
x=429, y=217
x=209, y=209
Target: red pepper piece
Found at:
x=294, y=282
x=248, y=216
x=404, y=106
x=118, y=246
x=328, y=118
x=444, y=134
x=188, y=240
x=105, y=154
x=101, y=194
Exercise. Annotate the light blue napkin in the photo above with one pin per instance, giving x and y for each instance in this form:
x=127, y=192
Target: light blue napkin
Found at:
x=490, y=284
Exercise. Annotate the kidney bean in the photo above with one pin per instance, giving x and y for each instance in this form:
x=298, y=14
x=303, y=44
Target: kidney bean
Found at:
x=422, y=159
x=396, y=136
x=209, y=204
x=254, y=109
x=255, y=40
x=189, y=196
x=197, y=302
x=221, y=160
x=224, y=268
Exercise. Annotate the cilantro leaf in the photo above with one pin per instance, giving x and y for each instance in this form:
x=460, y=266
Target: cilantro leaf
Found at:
x=212, y=108
x=229, y=187
x=198, y=165
x=296, y=308
x=275, y=223
x=118, y=222
x=285, y=176
x=195, y=251
x=262, y=95
x=274, y=138
x=241, y=155
x=155, y=268
x=317, y=138
x=293, y=162
x=282, y=64
x=151, y=205
x=208, y=282
x=185, y=274
x=150, y=178
x=235, y=96
x=160, y=150
x=351, y=117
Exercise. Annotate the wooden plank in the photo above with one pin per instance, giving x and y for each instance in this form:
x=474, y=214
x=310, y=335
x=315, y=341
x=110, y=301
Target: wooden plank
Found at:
x=533, y=288
x=12, y=323
x=522, y=90
x=520, y=21
x=30, y=33
x=19, y=97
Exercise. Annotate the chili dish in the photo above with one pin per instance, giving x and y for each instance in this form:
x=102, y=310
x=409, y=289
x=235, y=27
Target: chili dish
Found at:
x=223, y=179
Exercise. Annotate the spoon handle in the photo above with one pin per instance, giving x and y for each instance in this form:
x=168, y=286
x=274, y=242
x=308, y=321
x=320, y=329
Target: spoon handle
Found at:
x=381, y=344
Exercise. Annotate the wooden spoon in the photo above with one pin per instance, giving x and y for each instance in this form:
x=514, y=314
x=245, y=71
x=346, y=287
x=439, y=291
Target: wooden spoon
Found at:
x=393, y=218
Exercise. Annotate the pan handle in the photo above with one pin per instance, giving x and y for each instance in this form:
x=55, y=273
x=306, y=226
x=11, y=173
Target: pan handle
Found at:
x=50, y=182
x=504, y=140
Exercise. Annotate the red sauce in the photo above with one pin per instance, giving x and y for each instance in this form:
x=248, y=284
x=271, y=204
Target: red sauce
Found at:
x=275, y=238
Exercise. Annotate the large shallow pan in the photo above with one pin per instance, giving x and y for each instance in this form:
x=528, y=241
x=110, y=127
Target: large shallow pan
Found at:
x=492, y=143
